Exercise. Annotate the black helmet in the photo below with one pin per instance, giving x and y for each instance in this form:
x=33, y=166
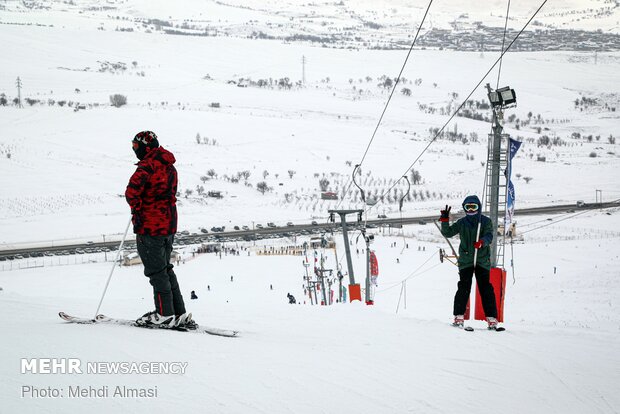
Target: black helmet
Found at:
x=143, y=142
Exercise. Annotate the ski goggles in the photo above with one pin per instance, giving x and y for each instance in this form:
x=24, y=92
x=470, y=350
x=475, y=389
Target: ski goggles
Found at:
x=470, y=207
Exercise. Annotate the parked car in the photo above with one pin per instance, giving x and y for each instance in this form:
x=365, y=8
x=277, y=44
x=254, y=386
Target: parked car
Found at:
x=580, y=203
x=382, y=216
x=290, y=224
x=245, y=228
x=259, y=226
x=314, y=223
x=204, y=230
x=236, y=227
x=271, y=224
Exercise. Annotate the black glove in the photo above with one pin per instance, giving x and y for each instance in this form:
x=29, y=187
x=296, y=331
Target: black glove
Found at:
x=445, y=214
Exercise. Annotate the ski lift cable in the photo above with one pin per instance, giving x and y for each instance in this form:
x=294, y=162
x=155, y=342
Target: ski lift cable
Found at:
x=499, y=71
x=466, y=99
x=348, y=186
x=414, y=274
x=396, y=83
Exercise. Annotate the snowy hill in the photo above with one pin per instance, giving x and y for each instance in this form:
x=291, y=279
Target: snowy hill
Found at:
x=317, y=131
x=222, y=84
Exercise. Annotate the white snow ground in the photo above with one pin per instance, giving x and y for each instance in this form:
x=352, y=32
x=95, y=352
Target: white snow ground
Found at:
x=558, y=354
x=67, y=169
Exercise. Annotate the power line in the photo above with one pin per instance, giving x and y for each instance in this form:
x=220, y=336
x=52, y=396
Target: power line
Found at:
x=19, y=92
x=303, y=69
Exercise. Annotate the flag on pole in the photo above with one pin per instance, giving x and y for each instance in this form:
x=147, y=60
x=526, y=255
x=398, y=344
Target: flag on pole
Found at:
x=510, y=196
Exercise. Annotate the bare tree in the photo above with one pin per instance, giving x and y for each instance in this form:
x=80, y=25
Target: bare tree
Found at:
x=416, y=178
x=263, y=187
x=324, y=184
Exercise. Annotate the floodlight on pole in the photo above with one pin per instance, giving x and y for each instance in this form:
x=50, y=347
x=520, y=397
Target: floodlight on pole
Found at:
x=502, y=97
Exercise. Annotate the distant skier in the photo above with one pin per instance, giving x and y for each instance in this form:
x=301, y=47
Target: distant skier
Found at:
x=467, y=228
x=194, y=295
x=291, y=298
x=151, y=194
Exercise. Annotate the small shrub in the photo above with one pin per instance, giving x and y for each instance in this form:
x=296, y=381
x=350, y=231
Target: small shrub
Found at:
x=118, y=100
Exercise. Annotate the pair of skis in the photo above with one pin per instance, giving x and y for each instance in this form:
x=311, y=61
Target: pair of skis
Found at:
x=471, y=329
x=103, y=319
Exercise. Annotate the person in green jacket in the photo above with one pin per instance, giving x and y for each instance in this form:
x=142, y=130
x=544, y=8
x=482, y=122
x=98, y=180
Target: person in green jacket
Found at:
x=467, y=229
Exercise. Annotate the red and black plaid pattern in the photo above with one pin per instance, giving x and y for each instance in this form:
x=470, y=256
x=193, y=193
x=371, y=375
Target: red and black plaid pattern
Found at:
x=151, y=194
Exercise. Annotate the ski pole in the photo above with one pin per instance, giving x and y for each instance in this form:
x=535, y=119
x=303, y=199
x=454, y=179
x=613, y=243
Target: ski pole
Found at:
x=477, y=238
x=113, y=266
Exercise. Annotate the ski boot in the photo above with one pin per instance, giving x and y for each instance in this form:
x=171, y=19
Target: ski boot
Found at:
x=185, y=321
x=459, y=321
x=492, y=323
x=155, y=320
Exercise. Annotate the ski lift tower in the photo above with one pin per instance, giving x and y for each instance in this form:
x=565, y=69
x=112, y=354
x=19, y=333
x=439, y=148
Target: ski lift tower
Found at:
x=354, y=288
x=497, y=164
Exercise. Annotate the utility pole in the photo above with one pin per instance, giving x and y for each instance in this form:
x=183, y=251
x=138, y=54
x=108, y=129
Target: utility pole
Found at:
x=303, y=69
x=19, y=92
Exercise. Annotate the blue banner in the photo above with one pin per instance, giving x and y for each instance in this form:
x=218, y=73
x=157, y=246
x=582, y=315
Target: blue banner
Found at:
x=510, y=196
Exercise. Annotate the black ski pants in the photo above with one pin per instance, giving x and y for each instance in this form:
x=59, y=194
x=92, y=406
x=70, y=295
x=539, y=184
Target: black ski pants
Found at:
x=487, y=294
x=155, y=254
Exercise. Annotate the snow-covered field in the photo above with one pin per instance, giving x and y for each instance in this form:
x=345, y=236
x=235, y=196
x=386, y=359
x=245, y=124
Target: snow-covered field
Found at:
x=63, y=173
x=67, y=169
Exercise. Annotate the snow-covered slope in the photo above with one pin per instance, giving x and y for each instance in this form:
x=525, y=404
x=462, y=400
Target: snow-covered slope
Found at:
x=558, y=354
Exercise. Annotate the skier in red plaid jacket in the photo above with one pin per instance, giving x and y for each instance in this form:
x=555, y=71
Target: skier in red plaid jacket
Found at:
x=151, y=194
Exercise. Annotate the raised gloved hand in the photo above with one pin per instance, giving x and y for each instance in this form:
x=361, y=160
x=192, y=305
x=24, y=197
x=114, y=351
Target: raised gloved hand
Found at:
x=479, y=244
x=445, y=214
